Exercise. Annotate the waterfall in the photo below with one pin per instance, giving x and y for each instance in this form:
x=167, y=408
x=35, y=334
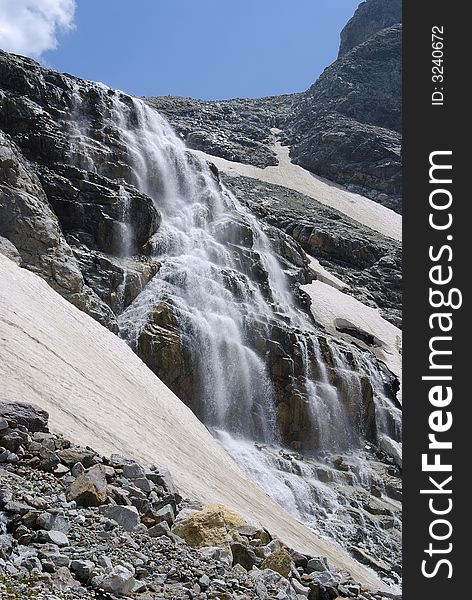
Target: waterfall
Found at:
x=222, y=294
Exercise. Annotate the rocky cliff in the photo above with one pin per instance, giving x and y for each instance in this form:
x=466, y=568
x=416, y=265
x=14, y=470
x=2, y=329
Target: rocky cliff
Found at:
x=345, y=127
x=371, y=16
x=67, y=221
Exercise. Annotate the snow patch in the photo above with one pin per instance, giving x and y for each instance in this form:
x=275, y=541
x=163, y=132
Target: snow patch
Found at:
x=286, y=174
x=336, y=311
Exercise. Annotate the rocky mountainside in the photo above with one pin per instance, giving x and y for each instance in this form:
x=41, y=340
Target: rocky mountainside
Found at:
x=75, y=524
x=371, y=16
x=345, y=127
x=238, y=130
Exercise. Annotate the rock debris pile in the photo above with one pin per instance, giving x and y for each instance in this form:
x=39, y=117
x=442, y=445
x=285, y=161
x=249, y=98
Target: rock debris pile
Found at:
x=74, y=524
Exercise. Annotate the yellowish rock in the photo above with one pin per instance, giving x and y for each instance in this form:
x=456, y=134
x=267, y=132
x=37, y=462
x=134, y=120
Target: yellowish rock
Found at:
x=279, y=561
x=212, y=526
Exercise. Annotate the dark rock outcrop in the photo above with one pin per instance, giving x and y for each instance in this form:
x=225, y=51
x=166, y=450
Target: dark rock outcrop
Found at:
x=67, y=207
x=238, y=130
x=30, y=416
x=347, y=126
x=364, y=259
x=370, y=17
x=27, y=221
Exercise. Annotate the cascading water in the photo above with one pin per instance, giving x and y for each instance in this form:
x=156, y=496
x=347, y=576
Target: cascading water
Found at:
x=229, y=297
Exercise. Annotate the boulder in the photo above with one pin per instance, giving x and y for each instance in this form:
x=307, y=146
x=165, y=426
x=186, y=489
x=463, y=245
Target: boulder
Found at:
x=133, y=471
x=243, y=555
x=83, y=569
x=90, y=488
x=126, y=516
x=30, y=416
x=159, y=530
x=279, y=561
x=54, y=537
x=318, y=564
x=119, y=581
x=71, y=456
x=211, y=526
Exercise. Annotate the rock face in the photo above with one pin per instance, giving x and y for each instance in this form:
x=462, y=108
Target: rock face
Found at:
x=67, y=221
x=347, y=126
x=369, y=263
x=371, y=16
x=238, y=130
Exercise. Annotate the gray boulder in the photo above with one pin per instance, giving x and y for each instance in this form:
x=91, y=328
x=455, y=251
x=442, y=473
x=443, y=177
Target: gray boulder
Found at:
x=126, y=516
x=30, y=416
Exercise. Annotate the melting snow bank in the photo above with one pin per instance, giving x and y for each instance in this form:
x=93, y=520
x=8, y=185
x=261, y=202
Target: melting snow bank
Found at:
x=357, y=207
x=338, y=312
x=99, y=393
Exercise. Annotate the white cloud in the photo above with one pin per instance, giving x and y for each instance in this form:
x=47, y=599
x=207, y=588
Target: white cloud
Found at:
x=31, y=26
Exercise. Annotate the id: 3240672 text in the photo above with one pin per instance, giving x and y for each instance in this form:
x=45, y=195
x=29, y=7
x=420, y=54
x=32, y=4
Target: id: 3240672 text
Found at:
x=437, y=65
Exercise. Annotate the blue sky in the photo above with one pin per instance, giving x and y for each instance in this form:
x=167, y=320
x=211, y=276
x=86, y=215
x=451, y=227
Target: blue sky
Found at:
x=210, y=49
